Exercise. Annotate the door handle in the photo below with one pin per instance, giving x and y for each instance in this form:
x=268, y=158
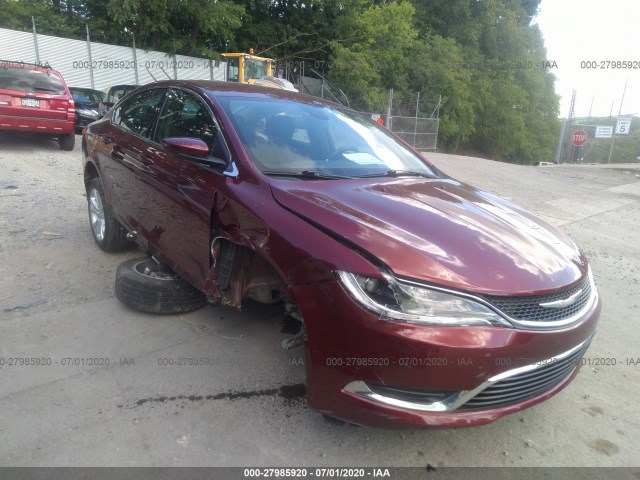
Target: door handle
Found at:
x=107, y=139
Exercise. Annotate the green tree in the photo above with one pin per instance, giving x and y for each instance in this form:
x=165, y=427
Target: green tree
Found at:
x=438, y=69
x=483, y=57
x=52, y=18
x=176, y=26
x=377, y=57
x=512, y=99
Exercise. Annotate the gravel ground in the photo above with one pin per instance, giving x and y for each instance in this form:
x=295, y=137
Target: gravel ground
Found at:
x=57, y=301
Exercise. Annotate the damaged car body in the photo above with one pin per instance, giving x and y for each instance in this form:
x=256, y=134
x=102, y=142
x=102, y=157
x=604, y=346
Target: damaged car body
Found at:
x=424, y=301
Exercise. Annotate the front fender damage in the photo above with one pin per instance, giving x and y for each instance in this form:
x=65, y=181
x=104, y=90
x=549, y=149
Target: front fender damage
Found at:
x=239, y=273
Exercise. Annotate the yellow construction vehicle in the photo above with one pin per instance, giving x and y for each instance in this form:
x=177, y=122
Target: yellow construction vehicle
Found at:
x=244, y=67
x=249, y=68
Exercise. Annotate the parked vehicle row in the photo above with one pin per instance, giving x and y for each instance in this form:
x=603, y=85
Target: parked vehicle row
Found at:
x=34, y=98
x=421, y=300
x=87, y=106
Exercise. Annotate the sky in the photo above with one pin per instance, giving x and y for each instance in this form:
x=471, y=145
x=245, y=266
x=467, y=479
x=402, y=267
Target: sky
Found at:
x=577, y=31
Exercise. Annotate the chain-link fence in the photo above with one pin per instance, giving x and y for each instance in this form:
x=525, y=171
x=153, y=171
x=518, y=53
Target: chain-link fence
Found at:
x=313, y=83
x=412, y=116
x=420, y=132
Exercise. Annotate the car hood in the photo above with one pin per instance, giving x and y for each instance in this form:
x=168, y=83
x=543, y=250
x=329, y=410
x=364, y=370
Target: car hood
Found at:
x=439, y=231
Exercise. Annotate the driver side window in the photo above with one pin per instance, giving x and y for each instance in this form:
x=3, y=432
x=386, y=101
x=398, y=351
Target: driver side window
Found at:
x=185, y=115
x=136, y=114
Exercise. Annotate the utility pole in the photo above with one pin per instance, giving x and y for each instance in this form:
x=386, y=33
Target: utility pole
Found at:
x=613, y=137
x=135, y=58
x=572, y=116
x=563, y=129
x=389, y=108
x=415, y=125
x=35, y=39
x=89, y=56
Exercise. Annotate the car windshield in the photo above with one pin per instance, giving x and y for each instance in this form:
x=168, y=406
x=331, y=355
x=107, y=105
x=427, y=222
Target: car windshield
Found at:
x=289, y=137
x=254, y=69
x=30, y=81
x=87, y=95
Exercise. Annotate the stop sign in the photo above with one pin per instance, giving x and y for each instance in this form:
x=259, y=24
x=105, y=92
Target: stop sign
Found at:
x=578, y=138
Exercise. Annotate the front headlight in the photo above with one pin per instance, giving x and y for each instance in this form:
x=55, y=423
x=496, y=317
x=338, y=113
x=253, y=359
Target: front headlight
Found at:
x=396, y=300
x=88, y=113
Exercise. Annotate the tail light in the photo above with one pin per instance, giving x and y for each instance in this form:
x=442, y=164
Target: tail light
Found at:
x=62, y=104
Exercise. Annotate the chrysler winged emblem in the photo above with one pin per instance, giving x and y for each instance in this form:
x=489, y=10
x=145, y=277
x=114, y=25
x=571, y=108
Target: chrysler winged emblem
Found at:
x=562, y=303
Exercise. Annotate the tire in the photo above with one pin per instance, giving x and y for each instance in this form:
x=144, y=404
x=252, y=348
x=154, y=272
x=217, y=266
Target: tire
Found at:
x=145, y=286
x=67, y=142
x=107, y=232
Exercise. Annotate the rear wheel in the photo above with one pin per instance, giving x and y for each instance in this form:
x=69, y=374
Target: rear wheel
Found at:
x=67, y=142
x=107, y=232
x=144, y=285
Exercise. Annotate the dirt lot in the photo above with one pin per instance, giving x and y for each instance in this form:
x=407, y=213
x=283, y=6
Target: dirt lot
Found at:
x=57, y=302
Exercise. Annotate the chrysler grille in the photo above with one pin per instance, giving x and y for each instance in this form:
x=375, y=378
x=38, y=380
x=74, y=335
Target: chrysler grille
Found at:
x=529, y=307
x=507, y=388
x=523, y=386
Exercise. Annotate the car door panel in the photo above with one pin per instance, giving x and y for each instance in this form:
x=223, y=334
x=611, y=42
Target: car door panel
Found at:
x=182, y=194
x=126, y=144
x=182, y=190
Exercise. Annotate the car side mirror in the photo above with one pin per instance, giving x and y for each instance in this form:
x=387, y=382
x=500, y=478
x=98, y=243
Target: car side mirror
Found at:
x=193, y=147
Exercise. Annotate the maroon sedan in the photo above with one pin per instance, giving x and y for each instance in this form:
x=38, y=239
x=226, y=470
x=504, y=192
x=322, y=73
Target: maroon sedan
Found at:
x=423, y=301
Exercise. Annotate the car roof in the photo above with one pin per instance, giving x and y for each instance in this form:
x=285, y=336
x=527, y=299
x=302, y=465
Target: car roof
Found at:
x=214, y=88
x=85, y=89
x=122, y=86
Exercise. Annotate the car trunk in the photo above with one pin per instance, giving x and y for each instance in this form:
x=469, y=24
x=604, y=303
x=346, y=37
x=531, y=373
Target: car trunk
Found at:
x=17, y=103
x=33, y=94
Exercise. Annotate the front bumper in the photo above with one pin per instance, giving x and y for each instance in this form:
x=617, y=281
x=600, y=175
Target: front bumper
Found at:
x=382, y=373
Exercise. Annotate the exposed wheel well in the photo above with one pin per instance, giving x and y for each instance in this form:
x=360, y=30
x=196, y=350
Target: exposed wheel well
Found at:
x=90, y=172
x=242, y=272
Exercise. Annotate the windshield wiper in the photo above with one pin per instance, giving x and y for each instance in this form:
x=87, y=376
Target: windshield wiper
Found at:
x=305, y=174
x=396, y=173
